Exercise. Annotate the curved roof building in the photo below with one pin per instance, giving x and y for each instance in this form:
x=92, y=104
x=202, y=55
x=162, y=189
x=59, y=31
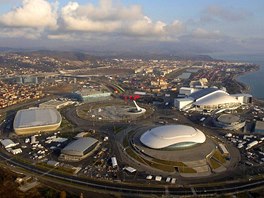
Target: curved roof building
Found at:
x=28, y=121
x=216, y=99
x=208, y=99
x=229, y=121
x=172, y=136
x=78, y=149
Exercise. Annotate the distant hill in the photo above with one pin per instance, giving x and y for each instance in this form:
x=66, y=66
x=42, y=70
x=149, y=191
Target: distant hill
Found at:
x=192, y=57
x=63, y=55
x=95, y=55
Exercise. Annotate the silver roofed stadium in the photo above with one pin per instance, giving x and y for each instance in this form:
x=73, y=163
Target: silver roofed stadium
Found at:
x=28, y=121
x=79, y=146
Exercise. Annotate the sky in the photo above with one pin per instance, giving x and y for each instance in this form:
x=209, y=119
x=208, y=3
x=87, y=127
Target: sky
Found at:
x=153, y=26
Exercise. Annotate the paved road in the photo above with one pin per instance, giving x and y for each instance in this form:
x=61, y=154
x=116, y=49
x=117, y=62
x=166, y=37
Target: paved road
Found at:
x=124, y=188
x=116, y=141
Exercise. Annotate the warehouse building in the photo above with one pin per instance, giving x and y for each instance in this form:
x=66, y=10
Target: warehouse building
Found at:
x=78, y=149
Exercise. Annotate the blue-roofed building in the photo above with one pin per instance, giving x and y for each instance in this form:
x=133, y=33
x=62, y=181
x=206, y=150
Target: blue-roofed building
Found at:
x=201, y=93
x=90, y=95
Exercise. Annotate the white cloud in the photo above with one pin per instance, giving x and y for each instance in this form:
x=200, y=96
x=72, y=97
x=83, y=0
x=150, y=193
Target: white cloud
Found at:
x=145, y=26
x=75, y=21
x=27, y=33
x=201, y=33
x=109, y=18
x=75, y=18
x=176, y=27
x=33, y=14
x=111, y=24
x=60, y=37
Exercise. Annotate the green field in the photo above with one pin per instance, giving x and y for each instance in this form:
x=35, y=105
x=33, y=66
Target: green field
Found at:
x=186, y=170
x=214, y=164
x=219, y=157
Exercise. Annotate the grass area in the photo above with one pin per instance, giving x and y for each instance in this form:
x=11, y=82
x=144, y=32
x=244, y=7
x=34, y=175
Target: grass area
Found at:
x=67, y=134
x=58, y=169
x=186, y=170
x=216, y=159
x=125, y=142
x=83, y=110
x=163, y=167
x=66, y=126
x=127, y=138
x=21, y=159
x=45, y=166
x=117, y=129
x=171, y=163
x=81, y=114
x=219, y=157
x=176, y=73
x=214, y=164
x=132, y=154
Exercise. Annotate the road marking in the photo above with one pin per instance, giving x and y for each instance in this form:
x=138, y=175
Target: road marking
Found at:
x=193, y=191
x=167, y=192
x=47, y=172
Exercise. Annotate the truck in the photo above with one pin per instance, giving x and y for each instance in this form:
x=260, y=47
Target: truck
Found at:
x=114, y=162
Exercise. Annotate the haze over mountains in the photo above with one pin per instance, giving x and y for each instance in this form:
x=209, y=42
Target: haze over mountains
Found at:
x=113, y=26
x=92, y=56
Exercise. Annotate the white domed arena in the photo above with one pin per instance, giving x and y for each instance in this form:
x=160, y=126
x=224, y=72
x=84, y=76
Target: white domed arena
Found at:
x=177, y=148
x=172, y=137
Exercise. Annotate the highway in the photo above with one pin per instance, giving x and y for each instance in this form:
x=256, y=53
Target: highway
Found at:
x=132, y=188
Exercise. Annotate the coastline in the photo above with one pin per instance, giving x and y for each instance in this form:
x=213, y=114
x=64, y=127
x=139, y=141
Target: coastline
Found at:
x=246, y=88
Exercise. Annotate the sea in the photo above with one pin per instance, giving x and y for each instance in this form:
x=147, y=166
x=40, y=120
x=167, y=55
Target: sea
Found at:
x=255, y=80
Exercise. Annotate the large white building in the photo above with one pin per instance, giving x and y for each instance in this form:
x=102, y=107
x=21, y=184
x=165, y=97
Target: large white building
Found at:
x=33, y=120
x=243, y=98
x=172, y=136
x=208, y=99
x=186, y=91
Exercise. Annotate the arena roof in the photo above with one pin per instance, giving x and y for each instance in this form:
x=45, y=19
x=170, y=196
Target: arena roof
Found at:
x=79, y=146
x=228, y=118
x=27, y=118
x=169, y=135
x=201, y=93
x=215, y=98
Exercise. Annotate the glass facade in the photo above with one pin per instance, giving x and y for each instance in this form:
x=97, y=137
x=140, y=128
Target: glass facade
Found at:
x=181, y=145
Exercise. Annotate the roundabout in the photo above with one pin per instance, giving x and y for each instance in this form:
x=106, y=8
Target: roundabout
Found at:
x=113, y=111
